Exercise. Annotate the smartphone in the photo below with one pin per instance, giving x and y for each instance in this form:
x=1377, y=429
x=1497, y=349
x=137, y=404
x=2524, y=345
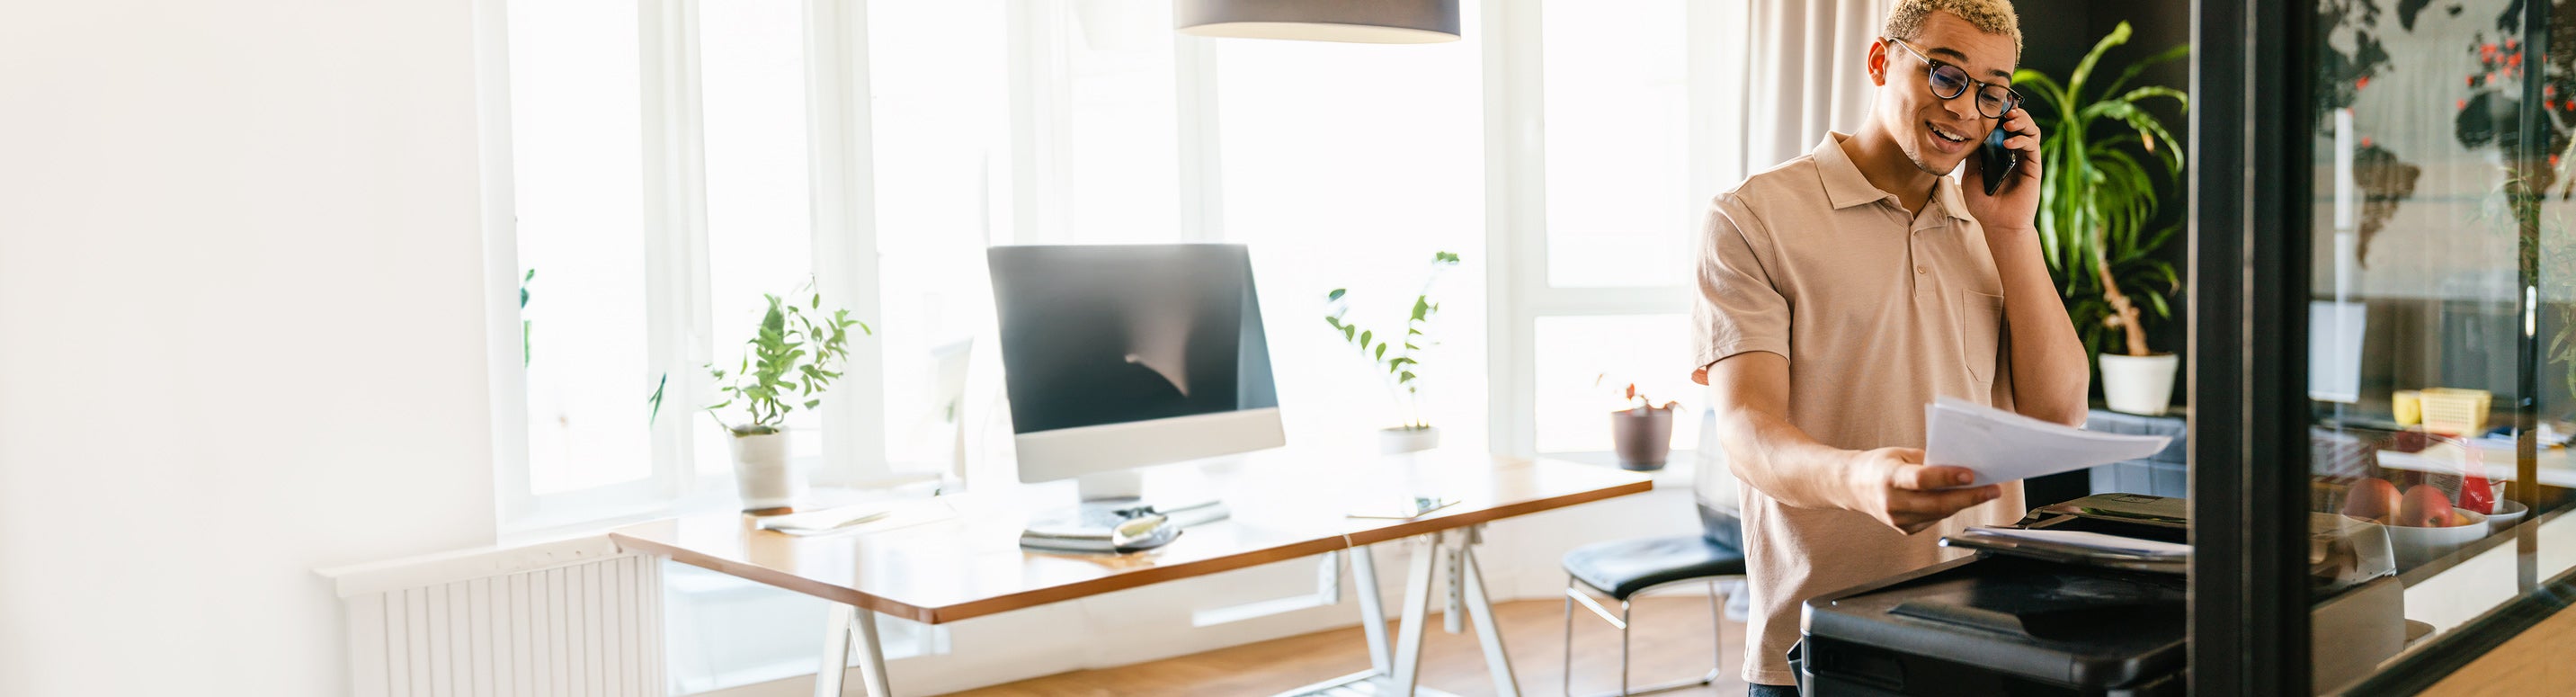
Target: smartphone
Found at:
x=1996, y=161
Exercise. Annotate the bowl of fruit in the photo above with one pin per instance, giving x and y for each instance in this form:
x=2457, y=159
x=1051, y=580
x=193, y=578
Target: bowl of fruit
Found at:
x=2423, y=524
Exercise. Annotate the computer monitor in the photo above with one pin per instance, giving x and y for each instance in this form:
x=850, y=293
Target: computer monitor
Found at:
x=1121, y=356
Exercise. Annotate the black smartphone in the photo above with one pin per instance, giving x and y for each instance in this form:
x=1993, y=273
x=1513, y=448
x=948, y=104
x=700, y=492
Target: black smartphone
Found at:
x=1996, y=161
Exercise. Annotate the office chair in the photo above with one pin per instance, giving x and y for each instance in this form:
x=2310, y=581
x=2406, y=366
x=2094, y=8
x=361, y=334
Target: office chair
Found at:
x=1621, y=569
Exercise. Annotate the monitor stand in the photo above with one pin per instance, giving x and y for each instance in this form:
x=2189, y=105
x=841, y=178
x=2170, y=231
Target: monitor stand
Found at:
x=1113, y=517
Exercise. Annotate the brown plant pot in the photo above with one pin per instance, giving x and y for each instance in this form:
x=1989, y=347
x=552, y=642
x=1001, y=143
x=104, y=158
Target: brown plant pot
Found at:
x=1643, y=438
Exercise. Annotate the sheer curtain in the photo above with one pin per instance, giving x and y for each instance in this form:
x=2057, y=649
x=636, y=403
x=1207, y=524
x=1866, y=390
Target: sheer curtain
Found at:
x=1804, y=75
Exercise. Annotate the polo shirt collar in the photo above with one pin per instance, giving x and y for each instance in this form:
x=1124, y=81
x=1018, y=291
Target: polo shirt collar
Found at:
x=1845, y=187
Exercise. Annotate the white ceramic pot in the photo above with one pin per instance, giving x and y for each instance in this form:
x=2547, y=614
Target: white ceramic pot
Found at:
x=763, y=474
x=2139, y=384
x=1398, y=441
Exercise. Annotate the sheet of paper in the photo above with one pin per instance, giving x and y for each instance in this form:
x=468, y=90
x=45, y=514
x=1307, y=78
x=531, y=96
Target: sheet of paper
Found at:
x=2094, y=540
x=2002, y=446
x=866, y=517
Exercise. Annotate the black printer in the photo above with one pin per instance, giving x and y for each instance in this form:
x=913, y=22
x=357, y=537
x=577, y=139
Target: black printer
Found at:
x=2094, y=607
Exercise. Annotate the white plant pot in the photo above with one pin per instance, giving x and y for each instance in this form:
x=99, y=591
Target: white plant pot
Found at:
x=1398, y=441
x=2139, y=384
x=763, y=474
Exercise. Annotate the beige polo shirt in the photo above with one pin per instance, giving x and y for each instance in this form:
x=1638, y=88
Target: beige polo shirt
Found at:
x=1878, y=311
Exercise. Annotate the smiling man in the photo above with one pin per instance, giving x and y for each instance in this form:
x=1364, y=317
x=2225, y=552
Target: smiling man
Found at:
x=1843, y=290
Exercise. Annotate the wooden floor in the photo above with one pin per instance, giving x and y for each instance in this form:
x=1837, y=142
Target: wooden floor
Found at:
x=1671, y=640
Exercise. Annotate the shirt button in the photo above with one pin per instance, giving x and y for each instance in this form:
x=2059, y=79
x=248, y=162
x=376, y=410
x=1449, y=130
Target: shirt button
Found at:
x=1920, y=269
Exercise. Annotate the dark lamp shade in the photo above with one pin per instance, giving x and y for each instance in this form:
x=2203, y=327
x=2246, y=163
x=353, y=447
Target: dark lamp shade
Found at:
x=1349, y=21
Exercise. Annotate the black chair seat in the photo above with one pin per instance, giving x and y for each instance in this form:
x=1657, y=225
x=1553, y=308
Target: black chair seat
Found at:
x=1623, y=567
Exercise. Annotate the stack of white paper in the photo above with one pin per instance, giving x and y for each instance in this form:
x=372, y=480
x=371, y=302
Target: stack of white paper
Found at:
x=2002, y=446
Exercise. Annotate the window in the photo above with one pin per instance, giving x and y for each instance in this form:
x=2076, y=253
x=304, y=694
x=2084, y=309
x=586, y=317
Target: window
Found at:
x=574, y=85
x=939, y=88
x=1600, y=211
x=662, y=178
x=759, y=227
x=1616, y=93
x=1350, y=166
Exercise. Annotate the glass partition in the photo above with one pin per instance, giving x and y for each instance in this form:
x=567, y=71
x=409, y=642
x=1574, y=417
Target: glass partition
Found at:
x=2441, y=332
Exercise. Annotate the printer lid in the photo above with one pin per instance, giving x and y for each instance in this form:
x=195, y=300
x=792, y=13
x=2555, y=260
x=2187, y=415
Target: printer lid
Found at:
x=2342, y=552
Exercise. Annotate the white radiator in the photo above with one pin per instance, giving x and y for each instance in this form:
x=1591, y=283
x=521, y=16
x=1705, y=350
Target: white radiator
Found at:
x=569, y=619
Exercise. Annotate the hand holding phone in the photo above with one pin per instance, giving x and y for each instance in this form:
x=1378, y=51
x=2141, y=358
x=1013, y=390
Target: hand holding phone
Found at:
x=1996, y=161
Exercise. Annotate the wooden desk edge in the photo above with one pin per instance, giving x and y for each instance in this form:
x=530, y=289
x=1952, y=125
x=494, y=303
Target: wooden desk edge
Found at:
x=942, y=614
x=1426, y=526
x=773, y=577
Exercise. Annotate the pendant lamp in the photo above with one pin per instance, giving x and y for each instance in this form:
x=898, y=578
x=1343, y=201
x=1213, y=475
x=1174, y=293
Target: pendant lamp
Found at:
x=1349, y=21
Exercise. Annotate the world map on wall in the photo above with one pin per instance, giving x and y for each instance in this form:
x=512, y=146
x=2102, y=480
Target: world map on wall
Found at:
x=2477, y=47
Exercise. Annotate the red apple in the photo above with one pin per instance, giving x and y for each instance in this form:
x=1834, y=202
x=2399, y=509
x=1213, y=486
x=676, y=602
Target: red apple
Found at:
x=2425, y=507
x=2370, y=499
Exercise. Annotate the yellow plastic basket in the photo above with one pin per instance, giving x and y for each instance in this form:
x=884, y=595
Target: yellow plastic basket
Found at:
x=2456, y=412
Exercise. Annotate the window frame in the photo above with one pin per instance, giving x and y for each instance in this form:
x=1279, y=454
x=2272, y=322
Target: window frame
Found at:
x=680, y=326
x=1519, y=290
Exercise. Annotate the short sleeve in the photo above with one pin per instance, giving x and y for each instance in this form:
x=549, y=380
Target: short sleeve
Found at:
x=1739, y=308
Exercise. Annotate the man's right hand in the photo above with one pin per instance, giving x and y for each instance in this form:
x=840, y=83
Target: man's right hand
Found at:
x=1895, y=487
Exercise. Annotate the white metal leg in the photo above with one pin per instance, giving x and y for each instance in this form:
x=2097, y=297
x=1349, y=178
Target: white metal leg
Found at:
x=846, y=628
x=1452, y=615
x=837, y=619
x=1464, y=590
x=1417, y=607
x=1372, y=616
x=1488, y=633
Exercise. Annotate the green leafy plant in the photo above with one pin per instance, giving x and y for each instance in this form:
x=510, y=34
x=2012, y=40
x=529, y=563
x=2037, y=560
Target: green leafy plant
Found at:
x=1633, y=400
x=527, y=352
x=1401, y=369
x=2096, y=198
x=788, y=364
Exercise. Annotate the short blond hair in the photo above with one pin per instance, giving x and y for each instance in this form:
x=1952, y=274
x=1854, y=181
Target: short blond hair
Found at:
x=1989, y=16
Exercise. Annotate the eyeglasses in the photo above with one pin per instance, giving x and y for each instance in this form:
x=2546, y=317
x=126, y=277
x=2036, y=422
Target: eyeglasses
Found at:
x=1949, y=81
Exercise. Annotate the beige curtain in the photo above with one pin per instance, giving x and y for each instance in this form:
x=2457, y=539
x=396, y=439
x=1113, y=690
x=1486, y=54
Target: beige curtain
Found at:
x=1805, y=74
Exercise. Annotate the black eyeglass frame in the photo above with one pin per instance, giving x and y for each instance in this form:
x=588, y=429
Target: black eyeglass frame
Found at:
x=1969, y=83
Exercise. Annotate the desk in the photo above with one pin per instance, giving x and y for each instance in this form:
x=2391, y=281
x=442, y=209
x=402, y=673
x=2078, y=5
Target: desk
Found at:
x=971, y=565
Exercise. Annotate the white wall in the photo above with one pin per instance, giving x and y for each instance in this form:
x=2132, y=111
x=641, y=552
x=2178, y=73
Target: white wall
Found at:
x=240, y=332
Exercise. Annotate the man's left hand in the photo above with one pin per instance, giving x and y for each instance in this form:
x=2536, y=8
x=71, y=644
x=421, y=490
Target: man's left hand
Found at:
x=2015, y=205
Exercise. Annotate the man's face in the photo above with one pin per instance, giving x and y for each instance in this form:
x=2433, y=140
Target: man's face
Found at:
x=1937, y=134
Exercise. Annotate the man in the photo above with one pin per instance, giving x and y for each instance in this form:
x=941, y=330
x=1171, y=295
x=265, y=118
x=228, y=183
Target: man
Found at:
x=1843, y=290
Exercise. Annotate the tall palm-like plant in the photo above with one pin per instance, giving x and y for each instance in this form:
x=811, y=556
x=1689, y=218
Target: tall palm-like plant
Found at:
x=2096, y=198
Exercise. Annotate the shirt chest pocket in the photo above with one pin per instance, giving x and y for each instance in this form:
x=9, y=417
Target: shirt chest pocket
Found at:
x=1981, y=327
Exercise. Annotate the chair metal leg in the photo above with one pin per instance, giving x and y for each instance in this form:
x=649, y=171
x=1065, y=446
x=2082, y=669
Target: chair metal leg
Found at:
x=1716, y=615
x=1623, y=647
x=1716, y=631
x=1566, y=676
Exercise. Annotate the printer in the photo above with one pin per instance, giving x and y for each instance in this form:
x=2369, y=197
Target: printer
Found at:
x=2085, y=597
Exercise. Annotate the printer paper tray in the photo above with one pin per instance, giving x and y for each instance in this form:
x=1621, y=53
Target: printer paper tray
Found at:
x=2006, y=542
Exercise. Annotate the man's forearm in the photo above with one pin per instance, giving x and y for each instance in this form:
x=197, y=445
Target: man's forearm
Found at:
x=1772, y=455
x=2050, y=378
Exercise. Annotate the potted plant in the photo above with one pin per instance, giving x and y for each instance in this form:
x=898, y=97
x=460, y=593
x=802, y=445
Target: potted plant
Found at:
x=1641, y=433
x=1397, y=362
x=788, y=364
x=2096, y=200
